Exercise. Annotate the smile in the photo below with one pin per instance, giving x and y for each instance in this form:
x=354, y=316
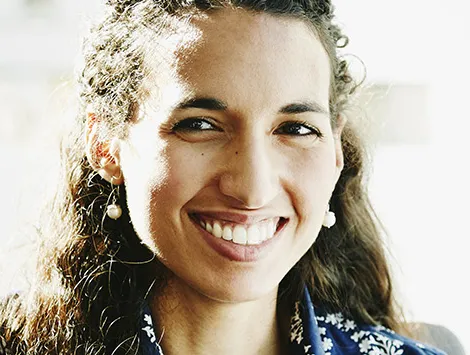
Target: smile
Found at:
x=241, y=234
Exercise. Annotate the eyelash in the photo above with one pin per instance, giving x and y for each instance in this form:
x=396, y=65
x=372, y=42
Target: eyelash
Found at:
x=188, y=126
x=313, y=131
x=185, y=125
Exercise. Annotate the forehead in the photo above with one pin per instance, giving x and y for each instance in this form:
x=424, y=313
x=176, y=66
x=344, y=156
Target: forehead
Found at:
x=251, y=59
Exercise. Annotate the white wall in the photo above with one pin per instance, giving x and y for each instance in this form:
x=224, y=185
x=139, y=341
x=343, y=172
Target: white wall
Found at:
x=420, y=186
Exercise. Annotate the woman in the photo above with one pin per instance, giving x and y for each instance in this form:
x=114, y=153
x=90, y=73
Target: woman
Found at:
x=213, y=199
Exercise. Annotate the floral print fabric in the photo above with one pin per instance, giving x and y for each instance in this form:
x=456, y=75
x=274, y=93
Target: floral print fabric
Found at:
x=315, y=332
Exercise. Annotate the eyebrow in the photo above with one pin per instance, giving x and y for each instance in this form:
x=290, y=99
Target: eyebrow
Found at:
x=206, y=103
x=305, y=106
x=213, y=104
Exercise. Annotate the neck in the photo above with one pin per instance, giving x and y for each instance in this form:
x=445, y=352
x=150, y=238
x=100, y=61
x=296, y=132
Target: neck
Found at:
x=192, y=323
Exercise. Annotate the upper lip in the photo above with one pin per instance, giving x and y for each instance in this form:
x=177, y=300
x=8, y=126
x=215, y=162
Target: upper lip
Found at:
x=233, y=217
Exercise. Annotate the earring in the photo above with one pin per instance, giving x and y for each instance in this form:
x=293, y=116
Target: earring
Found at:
x=330, y=219
x=114, y=211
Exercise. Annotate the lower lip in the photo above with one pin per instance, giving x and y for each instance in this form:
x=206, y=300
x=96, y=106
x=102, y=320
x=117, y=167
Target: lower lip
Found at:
x=237, y=252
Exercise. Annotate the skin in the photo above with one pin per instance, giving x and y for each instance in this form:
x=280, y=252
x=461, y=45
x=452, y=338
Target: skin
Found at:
x=243, y=161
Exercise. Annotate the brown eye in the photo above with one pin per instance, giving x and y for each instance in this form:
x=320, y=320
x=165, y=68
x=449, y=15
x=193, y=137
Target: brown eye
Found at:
x=194, y=124
x=300, y=129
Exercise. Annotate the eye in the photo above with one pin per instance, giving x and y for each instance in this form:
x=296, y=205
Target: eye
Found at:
x=194, y=124
x=301, y=129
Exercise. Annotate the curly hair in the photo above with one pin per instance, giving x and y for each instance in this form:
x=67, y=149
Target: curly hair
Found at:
x=94, y=275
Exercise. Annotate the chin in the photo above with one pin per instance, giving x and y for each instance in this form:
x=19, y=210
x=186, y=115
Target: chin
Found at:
x=236, y=290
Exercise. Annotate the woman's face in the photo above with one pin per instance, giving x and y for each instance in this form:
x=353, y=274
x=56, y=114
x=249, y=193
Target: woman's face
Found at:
x=243, y=150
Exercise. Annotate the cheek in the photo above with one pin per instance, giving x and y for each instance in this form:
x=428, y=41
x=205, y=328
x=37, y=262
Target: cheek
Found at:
x=145, y=164
x=177, y=176
x=186, y=171
x=313, y=178
x=183, y=178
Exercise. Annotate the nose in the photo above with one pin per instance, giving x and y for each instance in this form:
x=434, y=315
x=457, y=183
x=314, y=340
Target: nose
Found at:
x=251, y=173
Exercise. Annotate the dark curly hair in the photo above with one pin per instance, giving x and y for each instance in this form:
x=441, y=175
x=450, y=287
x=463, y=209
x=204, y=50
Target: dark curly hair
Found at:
x=94, y=275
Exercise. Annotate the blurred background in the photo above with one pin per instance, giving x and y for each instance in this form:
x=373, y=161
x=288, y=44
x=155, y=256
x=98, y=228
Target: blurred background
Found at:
x=414, y=108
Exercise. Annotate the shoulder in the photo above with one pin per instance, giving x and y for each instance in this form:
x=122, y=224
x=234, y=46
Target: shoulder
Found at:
x=438, y=336
x=336, y=330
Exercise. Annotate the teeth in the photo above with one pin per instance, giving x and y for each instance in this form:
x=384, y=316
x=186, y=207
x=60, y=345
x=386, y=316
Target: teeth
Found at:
x=254, y=234
x=263, y=232
x=239, y=235
x=217, y=230
x=227, y=233
x=271, y=229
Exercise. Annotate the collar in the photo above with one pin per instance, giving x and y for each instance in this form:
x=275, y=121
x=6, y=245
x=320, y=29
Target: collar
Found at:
x=304, y=332
x=316, y=332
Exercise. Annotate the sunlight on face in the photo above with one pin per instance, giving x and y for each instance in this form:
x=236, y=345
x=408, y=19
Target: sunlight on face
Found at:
x=246, y=150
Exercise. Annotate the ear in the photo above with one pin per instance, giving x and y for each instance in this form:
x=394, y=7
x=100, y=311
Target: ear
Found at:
x=103, y=156
x=338, y=131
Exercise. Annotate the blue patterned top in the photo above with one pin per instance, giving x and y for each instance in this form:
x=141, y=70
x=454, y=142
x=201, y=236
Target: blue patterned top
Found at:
x=315, y=332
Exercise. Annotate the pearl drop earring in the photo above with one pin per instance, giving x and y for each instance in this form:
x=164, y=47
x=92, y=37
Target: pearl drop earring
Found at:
x=330, y=219
x=114, y=211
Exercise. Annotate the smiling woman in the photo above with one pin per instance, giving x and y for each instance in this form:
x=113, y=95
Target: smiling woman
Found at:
x=213, y=200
